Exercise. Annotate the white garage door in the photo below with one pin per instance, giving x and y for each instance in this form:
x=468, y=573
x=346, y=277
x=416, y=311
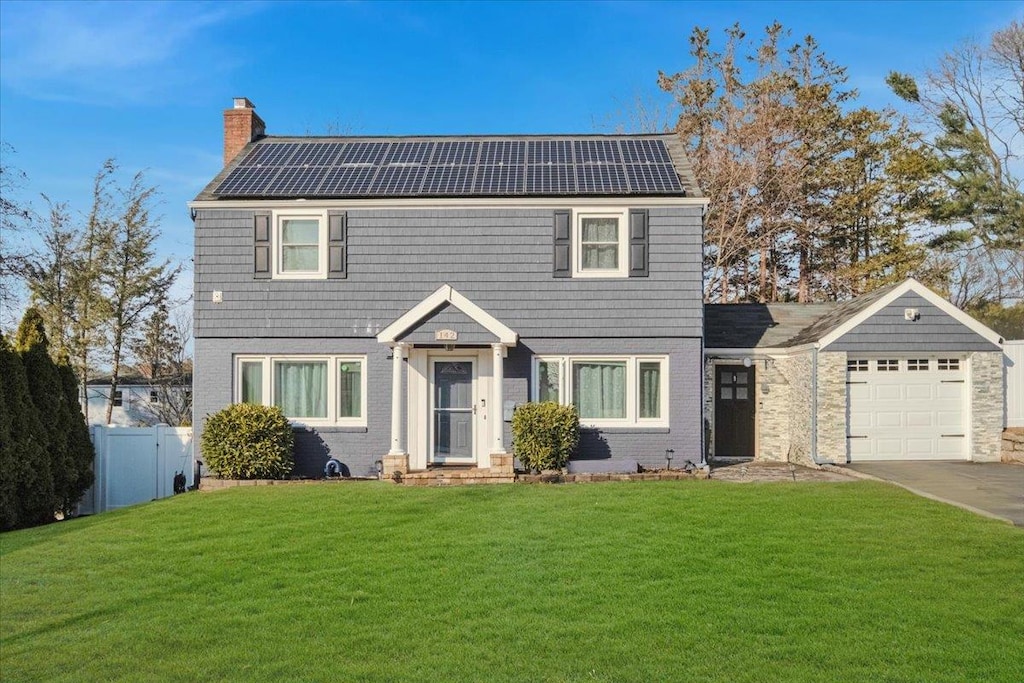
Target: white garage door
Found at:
x=906, y=408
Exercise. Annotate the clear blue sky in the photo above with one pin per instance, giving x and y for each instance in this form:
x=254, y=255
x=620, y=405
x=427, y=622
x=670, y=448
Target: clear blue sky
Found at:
x=147, y=82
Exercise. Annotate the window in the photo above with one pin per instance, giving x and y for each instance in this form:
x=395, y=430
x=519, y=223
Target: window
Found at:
x=320, y=390
x=118, y=398
x=917, y=364
x=154, y=397
x=856, y=366
x=949, y=364
x=607, y=391
x=300, y=249
x=600, y=245
x=888, y=365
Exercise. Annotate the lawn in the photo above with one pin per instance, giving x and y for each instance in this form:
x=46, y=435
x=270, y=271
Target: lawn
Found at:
x=593, y=582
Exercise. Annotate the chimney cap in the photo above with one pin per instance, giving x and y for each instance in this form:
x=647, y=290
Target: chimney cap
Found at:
x=243, y=103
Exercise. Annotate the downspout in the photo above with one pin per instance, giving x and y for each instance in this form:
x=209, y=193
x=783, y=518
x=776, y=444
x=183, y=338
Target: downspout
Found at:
x=814, y=406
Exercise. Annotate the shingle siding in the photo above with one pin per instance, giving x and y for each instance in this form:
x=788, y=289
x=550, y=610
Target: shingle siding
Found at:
x=449, y=318
x=888, y=331
x=500, y=258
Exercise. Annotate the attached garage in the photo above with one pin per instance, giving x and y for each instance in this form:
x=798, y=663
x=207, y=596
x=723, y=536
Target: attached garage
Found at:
x=897, y=374
x=906, y=408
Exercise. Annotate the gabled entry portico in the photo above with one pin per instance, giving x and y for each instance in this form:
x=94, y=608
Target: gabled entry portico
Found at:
x=453, y=390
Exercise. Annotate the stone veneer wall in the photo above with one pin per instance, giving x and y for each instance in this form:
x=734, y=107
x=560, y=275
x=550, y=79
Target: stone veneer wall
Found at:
x=798, y=369
x=986, y=405
x=832, y=406
x=773, y=408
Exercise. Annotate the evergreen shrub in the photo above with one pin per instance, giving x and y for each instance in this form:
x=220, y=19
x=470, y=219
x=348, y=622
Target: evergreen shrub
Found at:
x=545, y=435
x=247, y=441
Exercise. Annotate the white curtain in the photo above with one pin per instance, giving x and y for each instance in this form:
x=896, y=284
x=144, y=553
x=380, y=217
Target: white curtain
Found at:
x=350, y=389
x=252, y=382
x=548, y=381
x=301, y=388
x=650, y=390
x=599, y=390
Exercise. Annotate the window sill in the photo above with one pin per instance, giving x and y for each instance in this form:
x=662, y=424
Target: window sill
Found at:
x=330, y=429
x=627, y=429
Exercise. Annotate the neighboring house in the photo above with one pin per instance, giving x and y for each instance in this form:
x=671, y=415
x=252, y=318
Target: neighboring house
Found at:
x=138, y=401
x=897, y=374
x=398, y=296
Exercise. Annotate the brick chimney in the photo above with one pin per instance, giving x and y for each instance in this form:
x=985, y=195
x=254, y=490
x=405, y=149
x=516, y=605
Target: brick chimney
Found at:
x=242, y=125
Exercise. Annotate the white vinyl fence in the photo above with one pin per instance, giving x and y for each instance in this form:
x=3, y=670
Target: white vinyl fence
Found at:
x=1013, y=360
x=136, y=464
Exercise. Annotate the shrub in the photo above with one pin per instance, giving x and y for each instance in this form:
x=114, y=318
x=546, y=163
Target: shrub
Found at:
x=246, y=441
x=544, y=435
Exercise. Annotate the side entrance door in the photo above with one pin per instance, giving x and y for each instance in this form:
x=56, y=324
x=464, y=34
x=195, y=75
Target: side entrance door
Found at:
x=734, y=411
x=453, y=408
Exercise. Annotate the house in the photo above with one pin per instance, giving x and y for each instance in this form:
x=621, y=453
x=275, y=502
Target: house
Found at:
x=897, y=374
x=139, y=401
x=399, y=296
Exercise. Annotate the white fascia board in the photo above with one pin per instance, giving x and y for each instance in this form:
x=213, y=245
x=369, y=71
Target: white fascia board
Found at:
x=447, y=294
x=912, y=285
x=450, y=202
x=761, y=351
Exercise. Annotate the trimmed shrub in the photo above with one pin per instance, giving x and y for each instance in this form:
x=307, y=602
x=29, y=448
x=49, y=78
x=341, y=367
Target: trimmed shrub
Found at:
x=544, y=435
x=247, y=441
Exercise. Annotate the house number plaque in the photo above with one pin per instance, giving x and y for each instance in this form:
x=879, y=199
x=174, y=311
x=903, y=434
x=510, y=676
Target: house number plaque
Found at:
x=446, y=335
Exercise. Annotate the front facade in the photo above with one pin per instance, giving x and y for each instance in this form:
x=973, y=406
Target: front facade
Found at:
x=398, y=297
x=899, y=374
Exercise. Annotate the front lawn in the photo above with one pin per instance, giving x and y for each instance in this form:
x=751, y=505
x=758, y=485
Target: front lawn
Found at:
x=597, y=582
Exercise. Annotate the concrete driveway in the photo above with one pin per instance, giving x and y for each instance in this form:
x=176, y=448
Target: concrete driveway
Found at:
x=992, y=489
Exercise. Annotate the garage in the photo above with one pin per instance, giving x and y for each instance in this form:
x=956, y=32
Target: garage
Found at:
x=907, y=408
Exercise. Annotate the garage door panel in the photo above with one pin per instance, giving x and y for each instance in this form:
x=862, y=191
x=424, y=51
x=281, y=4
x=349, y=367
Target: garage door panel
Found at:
x=902, y=414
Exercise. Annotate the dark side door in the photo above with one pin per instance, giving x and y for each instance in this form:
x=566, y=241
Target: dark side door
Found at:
x=734, y=411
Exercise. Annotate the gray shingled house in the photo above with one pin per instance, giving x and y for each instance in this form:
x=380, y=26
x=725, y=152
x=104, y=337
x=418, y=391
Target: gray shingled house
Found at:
x=898, y=374
x=398, y=296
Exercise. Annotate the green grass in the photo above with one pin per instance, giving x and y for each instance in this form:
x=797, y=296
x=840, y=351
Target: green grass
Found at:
x=597, y=582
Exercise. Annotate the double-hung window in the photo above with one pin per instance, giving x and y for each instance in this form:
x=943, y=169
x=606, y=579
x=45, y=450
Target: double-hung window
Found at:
x=300, y=246
x=600, y=244
x=614, y=391
x=316, y=390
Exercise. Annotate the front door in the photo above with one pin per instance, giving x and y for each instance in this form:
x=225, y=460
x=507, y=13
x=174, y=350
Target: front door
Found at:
x=453, y=408
x=734, y=411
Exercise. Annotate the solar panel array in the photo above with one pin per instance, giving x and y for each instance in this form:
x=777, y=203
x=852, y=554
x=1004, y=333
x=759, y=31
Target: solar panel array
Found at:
x=440, y=168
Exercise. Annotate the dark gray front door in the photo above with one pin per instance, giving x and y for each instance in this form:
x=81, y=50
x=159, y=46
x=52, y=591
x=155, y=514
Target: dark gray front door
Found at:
x=734, y=411
x=453, y=411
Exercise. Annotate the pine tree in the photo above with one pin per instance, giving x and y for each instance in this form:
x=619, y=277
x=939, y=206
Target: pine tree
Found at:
x=9, y=472
x=80, y=453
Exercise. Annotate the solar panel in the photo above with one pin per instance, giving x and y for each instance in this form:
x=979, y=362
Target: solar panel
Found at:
x=653, y=178
x=247, y=181
x=549, y=152
x=499, y=152
x=459, y=153
x=550, y=179
x=594, y=179
x=408, y=153
x=597, y=152
x=363, y=153
x=454, y=167
x=270, y=154
x=499, y=180
x=398, y=180
x=347, y=180
x=448, y=180
x=645, y=151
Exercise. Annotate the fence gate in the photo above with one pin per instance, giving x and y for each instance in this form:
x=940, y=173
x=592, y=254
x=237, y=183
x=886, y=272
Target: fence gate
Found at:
x=136, y=464
x=1013, y=360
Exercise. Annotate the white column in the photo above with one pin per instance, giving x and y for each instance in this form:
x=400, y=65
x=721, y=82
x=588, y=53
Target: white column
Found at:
x=397, y=436
x=498, y=399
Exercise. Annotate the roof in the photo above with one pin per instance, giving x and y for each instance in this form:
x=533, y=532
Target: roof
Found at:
x=842, y=313
x=752, y=326
x=344, y=167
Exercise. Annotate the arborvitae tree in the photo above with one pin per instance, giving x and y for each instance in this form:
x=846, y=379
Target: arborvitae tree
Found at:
x=46, y=394
x=26, y=473
x=80, y=453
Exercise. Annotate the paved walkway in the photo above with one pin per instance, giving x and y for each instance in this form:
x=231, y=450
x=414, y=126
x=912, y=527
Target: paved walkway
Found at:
x=753, y=471
x=993, y=489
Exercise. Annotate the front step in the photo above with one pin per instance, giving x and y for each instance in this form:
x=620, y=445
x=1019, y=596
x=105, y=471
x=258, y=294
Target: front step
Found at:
x=457, y=476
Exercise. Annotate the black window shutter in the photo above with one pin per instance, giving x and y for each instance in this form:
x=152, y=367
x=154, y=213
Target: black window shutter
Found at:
x=337, y=245
x=261, y=241
x=639, y=242
x=563, y=243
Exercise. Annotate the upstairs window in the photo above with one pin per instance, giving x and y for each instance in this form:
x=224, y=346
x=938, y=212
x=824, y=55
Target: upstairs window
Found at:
x=301, y=250
x=600, y=245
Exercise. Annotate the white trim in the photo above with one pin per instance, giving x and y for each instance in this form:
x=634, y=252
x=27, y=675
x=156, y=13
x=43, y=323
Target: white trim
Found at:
x=446, y=294
x=782, y=351
x=632, y=418
x=621, y=215
x=277, y=223
x=912, y=285
x=452, y=202
x=333, y=361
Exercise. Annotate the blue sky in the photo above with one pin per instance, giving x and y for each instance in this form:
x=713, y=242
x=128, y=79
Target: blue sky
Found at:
x=147, y=82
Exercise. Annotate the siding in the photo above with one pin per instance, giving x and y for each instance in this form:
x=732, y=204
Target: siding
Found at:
x=500, y=258
x=358, y=448
x=887, y=331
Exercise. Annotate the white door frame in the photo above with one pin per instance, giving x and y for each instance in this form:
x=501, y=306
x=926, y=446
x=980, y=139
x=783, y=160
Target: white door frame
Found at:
x=431, y=454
